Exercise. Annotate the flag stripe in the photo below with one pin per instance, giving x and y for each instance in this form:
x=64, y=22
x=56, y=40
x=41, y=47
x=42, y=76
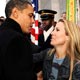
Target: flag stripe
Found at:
x=36, y=23
x=34, y=31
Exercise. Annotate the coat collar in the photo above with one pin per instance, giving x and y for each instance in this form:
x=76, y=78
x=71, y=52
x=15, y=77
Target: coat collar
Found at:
x=66, y=62
x=12, y=24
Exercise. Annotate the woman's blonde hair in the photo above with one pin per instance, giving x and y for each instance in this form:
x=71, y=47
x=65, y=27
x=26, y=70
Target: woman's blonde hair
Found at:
x=73, y=51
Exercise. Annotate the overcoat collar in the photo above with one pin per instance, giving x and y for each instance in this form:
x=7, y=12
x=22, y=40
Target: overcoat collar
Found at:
x=66, y=62
x=12, y=24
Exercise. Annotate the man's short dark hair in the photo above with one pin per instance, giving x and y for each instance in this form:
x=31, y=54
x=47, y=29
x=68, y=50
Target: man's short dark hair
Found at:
x=19, y=4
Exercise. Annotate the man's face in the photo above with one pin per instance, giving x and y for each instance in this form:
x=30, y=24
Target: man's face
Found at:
x=46, y=24
x=26, y=19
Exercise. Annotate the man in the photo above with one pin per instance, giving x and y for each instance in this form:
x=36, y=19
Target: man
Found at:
x=48, y=24
x=47, y=18
x=15, y=48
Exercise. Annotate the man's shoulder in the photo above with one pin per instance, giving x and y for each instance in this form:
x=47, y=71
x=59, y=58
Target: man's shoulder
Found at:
x=8, y=35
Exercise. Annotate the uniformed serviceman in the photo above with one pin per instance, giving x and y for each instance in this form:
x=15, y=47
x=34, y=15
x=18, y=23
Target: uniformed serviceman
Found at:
x=47, y=18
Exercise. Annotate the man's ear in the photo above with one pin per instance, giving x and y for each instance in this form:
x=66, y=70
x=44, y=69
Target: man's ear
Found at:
x=14, y=13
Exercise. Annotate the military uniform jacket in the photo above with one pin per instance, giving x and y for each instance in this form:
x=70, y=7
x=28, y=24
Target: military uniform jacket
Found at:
x=44, y=44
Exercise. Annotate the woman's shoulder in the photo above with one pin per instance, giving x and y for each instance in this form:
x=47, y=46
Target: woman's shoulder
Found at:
x=77, y=64
x=76, y=71
x=76, y=67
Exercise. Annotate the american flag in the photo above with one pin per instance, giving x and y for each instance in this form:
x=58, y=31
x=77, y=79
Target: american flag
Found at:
x=34, y=31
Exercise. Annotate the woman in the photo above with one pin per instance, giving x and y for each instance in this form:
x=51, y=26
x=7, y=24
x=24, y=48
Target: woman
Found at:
x=63, y=61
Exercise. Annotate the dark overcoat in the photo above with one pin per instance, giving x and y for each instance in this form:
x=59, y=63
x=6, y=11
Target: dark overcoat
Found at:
x=15, y=53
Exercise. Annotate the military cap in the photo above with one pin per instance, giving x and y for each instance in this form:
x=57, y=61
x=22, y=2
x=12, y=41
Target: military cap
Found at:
x=46, y=14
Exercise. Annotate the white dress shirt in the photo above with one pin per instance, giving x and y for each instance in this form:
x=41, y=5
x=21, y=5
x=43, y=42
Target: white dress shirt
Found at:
x=47, y=33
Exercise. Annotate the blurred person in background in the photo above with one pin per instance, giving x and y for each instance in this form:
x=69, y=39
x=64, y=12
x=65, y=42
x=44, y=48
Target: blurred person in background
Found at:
x=63, y=15
x=2, y=19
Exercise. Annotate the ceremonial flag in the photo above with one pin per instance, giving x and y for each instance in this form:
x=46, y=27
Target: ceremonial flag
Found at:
x=34, y=31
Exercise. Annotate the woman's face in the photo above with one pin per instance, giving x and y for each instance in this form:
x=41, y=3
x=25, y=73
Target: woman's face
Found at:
x=59, y=36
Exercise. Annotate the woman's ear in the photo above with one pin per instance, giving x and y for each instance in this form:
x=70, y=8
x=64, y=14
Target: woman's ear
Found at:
x=67, y=38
